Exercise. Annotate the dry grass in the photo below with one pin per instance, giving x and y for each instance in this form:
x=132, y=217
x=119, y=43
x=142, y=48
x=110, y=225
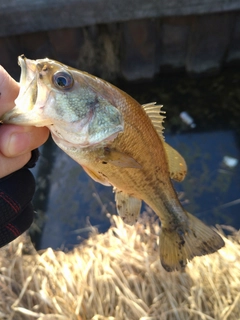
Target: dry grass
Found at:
x=117, y=275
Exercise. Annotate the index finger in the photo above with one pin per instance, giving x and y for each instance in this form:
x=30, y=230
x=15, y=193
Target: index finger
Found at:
x=9, y=90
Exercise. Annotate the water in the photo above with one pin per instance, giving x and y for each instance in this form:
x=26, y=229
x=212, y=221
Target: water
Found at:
x=69, y=204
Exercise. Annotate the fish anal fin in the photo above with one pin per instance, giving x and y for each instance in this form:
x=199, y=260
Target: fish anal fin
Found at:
x=128, y=207
x=118, y=159
x=178, y=246
x=156, y=115
x=96, y=176
x=176, y=163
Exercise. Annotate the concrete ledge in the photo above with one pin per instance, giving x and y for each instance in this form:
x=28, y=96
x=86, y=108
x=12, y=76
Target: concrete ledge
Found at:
x=25, y=16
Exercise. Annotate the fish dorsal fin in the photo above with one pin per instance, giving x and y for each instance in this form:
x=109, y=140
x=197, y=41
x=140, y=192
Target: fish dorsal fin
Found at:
x=176, y=163
x=156, y=115
x=128, y=207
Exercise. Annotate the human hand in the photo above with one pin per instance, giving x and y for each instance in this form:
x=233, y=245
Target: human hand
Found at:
x=17, y=184
x=16, y=142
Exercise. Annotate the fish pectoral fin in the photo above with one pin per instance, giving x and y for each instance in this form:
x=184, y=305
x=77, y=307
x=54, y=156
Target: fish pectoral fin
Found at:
x=96, y=176
x=176, y=163
x=182, y=244
x=128, y=207
x=118, y=159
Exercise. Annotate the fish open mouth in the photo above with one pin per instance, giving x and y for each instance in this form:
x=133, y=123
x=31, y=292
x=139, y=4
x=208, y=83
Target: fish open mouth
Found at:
x=28, y=83
x=24, y=112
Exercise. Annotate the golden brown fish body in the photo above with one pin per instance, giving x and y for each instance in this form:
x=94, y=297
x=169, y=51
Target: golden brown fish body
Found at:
x=119, y=143
x=149, y=178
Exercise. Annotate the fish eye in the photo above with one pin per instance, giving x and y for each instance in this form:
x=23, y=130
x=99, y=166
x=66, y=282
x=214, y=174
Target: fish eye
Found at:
x=63, y=80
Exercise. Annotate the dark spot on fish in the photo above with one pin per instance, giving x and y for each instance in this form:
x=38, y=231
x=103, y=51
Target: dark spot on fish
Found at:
x=119, y=206
x=106, y=150
x=102, y=174
x=206, y=248
x=182, y=241
x=157, y=169
x=93, y=104
x=180, y=233
x=40, y=76
x=160, y=181
x=181, y=244
x=104, y=162
x=148, y=178
x=182, y=263
x=166, y=267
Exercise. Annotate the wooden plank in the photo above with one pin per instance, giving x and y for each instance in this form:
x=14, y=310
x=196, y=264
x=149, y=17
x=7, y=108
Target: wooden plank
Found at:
x=174, y=42
x=234, y=48
x=138, y=56
x=208, y=43
x=23, y=16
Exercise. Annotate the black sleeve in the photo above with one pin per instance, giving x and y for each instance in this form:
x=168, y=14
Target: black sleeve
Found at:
x=16, y=210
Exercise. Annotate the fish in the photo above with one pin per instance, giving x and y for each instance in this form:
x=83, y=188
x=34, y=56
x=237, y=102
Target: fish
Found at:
x=119, y=143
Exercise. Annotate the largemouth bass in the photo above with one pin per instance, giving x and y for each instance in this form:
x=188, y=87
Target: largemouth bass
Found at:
x=119, y=143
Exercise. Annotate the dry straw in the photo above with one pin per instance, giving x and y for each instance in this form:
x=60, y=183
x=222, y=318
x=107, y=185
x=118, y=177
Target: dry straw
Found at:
x=117, y=275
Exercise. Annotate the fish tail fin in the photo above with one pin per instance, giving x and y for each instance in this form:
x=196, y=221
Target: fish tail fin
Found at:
x=179, y=246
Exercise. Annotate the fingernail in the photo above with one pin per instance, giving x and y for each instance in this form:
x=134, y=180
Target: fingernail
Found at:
x=18, y=143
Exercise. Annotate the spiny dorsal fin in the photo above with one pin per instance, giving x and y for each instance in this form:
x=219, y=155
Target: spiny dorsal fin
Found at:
x=156, y=115
x=176, y=164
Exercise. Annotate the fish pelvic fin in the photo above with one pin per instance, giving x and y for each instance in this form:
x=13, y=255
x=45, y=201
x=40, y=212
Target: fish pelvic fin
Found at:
x=128, y=207
x=179, y=246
